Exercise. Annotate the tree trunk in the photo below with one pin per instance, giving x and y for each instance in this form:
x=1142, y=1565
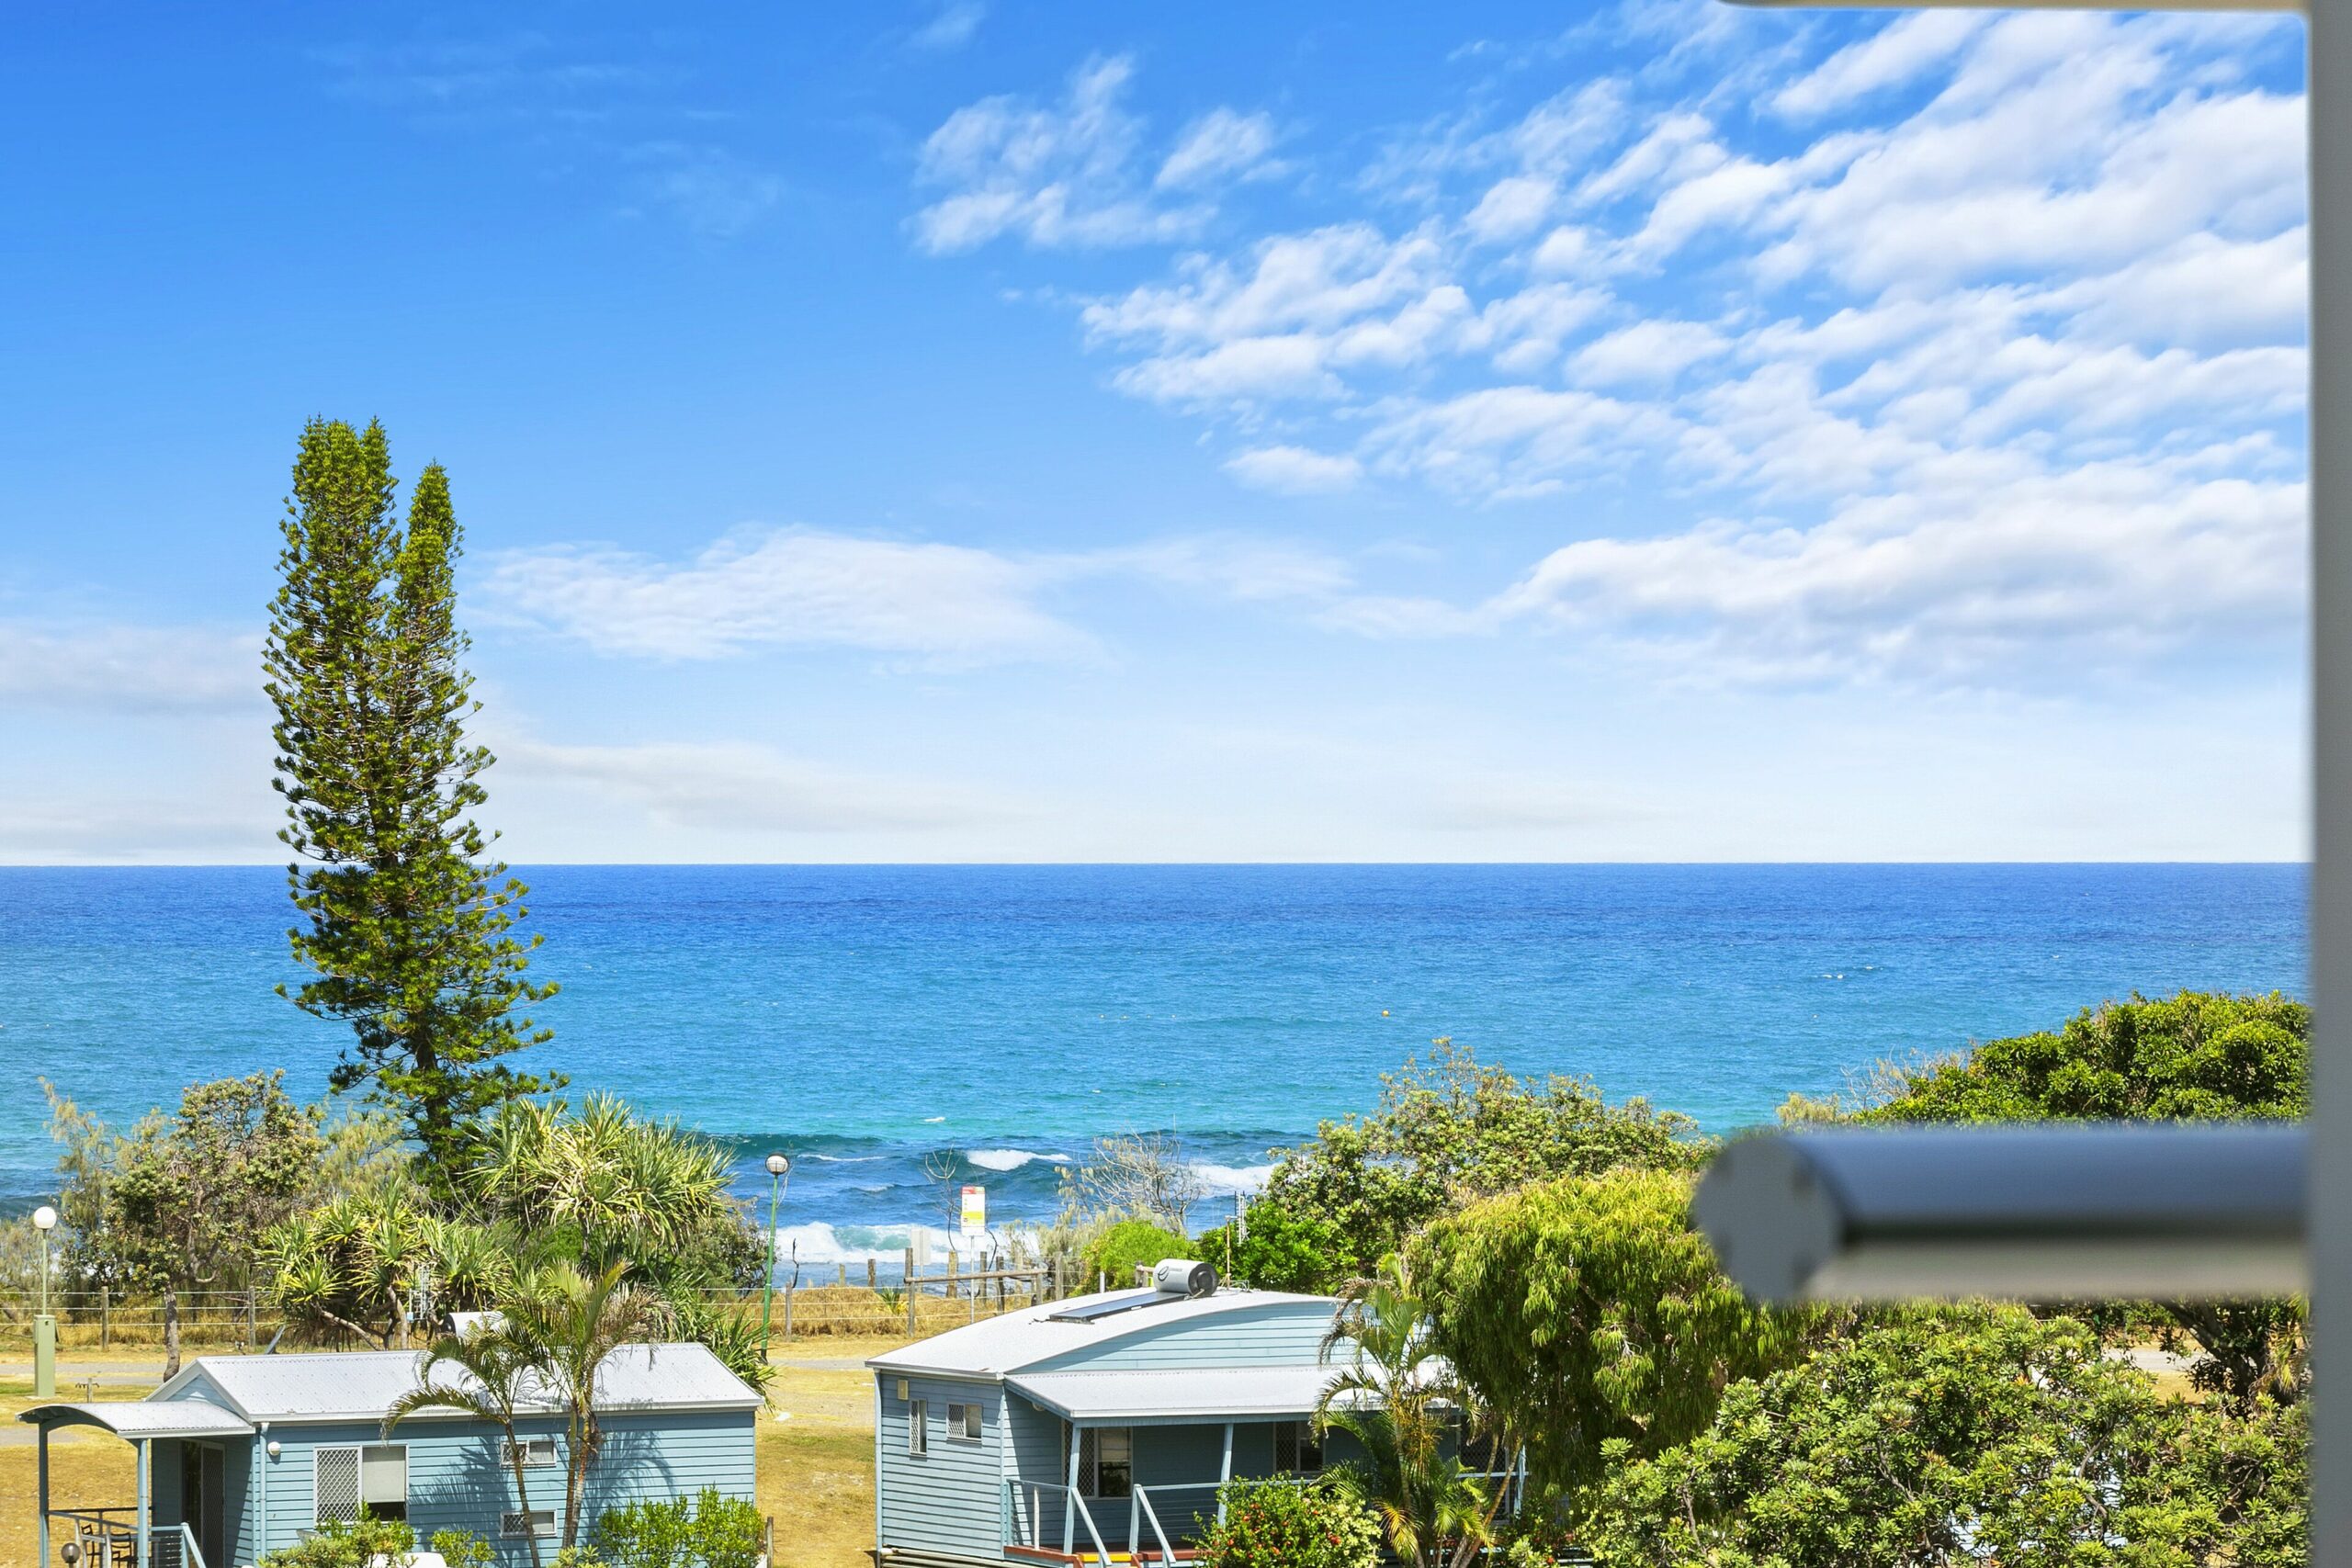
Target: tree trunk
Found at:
x=575, y=1477
x=171, y=1330
x=523, y=1494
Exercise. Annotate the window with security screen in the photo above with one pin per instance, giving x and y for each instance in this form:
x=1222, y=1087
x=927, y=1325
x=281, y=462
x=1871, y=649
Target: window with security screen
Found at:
x=334, y=1484
x=1105, y=1462
x=1297, y=1449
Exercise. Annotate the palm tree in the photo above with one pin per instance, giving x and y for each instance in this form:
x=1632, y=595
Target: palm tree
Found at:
x=568, y=1326
x=1400, y=1402
x=502, y=1374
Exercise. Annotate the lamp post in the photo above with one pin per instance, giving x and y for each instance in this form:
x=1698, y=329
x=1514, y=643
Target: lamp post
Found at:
x=779, y=1166
x=44, y=1326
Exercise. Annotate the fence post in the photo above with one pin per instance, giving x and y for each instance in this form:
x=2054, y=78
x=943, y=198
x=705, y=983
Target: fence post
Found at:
x=250, y=1294
x=871, y=1280
x=787, y=1314
x=106, y=1317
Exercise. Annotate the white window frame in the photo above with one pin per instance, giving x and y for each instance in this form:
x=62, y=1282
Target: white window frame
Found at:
x=918, y=1427
x=538, y=1453
x=964, y=1422
x=511, y=1523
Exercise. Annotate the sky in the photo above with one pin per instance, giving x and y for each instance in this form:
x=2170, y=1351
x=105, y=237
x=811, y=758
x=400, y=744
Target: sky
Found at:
x=992, y=430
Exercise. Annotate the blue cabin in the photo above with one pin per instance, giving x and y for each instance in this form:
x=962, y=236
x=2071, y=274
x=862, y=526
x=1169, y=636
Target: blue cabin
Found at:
x=1083, y=1431
x=239, y=1456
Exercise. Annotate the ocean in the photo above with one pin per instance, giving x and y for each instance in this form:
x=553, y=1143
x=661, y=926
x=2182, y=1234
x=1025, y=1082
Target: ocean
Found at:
x=866, y=1017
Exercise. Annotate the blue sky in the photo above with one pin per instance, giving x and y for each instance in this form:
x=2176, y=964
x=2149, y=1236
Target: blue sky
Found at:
x=1017, y=432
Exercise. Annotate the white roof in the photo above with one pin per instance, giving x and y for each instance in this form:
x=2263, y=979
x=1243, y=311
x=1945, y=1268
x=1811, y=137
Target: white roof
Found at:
x=1166, y=1395
x=997, y=1346
x=137, y=1419
x=355, y=1385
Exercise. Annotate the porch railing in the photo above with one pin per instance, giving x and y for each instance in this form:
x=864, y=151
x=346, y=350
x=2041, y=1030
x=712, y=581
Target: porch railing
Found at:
x=109, y=1538
x=1028, y=1520
x=1149, y=1507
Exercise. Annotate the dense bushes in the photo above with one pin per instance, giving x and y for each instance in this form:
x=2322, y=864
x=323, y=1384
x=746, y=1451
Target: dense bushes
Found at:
x=713, y=1532
x=1447, y=1131
x=1282, y=1524
x=1115, y=1252
x=1966, y=1435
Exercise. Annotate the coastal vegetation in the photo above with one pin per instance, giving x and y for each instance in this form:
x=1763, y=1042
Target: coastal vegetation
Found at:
x=1538, y=1260
x=1534, y=1352
x=409, y=924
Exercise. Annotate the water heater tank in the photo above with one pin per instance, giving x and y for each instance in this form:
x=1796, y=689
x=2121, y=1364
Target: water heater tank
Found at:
x=1182, y=1277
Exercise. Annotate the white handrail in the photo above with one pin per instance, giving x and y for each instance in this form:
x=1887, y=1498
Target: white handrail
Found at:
x=1160, y=1531
x=1070, y=1499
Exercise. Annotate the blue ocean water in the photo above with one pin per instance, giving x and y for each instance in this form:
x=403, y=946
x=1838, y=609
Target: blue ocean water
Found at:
x=866, y=1017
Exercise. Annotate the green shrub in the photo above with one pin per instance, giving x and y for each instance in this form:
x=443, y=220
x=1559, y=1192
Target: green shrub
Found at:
x=463, y=1549
x=352, y=1543
x=1282, y=1524
x=713, y=1532
x=1115, y=1252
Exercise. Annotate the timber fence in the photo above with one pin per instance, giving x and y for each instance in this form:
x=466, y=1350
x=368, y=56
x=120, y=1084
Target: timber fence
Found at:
x=910, y=1301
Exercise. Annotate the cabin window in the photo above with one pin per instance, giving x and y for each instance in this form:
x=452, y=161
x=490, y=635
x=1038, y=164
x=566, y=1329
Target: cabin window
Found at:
x=1298, y=1450
x=534, y=1453
x=918, y=1427
x=1106, y=1465
x=344, y=1480
x=963, y=1423
x=538, y=1521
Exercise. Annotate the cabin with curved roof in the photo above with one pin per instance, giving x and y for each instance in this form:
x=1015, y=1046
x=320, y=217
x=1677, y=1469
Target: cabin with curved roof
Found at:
x=1091, y=1428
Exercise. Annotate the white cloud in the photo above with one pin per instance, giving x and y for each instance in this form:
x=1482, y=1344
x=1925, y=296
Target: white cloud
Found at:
x=713, y=190
x=738, y=787
x=2003, y=270
x=1222, y=144
x=1897, y=53
x=1655, y=352
x=1295, y=471
x=1512, y=208
x=800, y=588
x=1069, y=175
x=789, y=588
x=121, y=668
x=2109, y=560
x=951, y=27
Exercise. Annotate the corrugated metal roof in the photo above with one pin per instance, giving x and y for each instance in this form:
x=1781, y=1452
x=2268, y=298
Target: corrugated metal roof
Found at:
x=143, y=1418
x=362, y=1384
x=1023, y=1338
x=1168, y=1395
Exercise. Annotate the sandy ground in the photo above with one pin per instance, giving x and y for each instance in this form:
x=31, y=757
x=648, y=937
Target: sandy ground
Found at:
x=816, y=1450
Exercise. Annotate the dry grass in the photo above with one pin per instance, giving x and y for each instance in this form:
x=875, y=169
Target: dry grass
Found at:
x=87, y=1469
x=816, y=1468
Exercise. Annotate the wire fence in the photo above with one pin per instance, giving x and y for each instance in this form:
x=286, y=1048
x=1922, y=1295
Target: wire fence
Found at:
x=911, y=1303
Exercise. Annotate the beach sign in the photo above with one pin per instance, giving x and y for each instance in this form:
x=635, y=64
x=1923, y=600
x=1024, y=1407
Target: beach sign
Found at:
x=976, y=1213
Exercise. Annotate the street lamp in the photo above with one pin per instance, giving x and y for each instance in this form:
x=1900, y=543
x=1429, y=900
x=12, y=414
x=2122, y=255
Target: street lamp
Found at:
x=44, y=1326
x=779, y=1166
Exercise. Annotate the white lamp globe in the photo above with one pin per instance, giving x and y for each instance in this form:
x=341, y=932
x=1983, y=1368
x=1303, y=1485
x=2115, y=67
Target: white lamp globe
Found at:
x=779, y=1163
x=44, y=1218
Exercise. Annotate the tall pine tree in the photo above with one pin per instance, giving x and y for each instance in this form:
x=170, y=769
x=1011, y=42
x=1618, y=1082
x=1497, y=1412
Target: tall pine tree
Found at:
x=410, y=928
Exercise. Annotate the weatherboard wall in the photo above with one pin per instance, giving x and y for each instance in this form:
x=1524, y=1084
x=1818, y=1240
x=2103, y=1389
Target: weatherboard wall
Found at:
x=950, y=1497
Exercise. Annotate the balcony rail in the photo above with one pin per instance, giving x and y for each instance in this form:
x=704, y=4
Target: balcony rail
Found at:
x=109, y=1538
x=1149, y=1507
